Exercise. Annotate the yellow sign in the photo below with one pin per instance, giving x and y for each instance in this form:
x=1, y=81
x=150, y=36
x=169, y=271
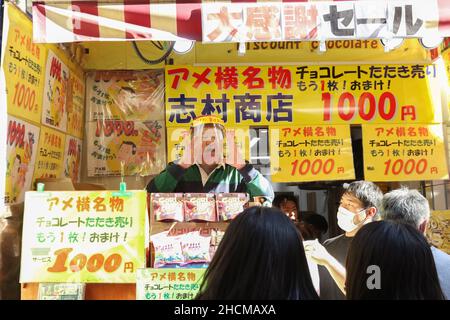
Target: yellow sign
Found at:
x=121, y=54
x=72, y=158
x=54, y=112
x=125, y=95
x=207, y=120
x=176, y=140
x=24, y=68
x=238, y=137
x=83, y=236
x=404, y=152
x=289, y=52
x=168, y=284
x=446, y=57
x=21, y=150
x=75, y=107
x=313, y=95
x=138, y=145
x=438, y=231
x=311, y=153
x=50, y=154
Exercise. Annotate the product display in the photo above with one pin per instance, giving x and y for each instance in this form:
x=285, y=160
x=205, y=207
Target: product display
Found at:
x=200, y=207
x=167, y=249
x=229, y=205
x=216, y=238
x=195, y=248
x=167, y=206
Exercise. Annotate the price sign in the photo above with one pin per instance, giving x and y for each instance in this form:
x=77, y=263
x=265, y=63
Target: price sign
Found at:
x=168, y=284
x=404, y=153
x=24, y=68
x=50, y=154
x=83, y=236
x=311, y=153
x=313, y=95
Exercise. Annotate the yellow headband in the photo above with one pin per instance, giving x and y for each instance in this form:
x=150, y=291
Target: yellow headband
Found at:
x=207, y=120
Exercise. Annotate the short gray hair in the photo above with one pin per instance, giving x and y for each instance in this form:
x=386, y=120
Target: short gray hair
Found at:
x=405, y=205
x=367, y=192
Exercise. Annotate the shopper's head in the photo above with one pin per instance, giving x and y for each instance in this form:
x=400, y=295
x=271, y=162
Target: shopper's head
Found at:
x=359, y=205
x=261, y=256
x=407, y=206
x=391, y=260
x=313, y=226
x=288, y=204
x=207, y=134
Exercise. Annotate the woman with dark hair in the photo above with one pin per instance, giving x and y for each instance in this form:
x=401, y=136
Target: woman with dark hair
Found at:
x=260, y=257
x=401, y=256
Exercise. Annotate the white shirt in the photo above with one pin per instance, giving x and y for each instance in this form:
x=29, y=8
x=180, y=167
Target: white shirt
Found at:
x=205, y=176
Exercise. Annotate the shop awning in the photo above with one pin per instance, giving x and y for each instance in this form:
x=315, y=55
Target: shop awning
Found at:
x=237, y=21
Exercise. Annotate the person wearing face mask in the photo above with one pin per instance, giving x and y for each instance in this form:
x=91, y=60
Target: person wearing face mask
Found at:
x=359, y=205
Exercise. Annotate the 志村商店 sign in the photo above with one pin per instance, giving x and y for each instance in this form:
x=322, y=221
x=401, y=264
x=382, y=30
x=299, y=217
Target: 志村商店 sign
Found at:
x=314, y=95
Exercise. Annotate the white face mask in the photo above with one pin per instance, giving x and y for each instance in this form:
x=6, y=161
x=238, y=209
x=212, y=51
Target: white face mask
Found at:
x=346, y=217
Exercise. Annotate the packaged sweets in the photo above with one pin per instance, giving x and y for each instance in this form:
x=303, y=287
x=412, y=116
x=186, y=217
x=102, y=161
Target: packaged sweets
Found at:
x=200, y=207
x=195, y=248
x=229, y=205
x=216, y=237
x=168, y=206
x=167, y=249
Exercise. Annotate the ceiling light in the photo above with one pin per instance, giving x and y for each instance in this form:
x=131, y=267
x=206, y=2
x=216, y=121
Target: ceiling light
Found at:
x=183, y=46
x=391, y=44
x=431, y=42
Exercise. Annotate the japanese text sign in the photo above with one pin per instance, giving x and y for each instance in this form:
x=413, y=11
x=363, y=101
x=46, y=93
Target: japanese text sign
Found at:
x=83, y=236
x=72, y=158
x=125, y=95
x=323, y=20
x=125, y=122
x=140, y=146
x=314, y=95
x=50, y=154
x=75, y=107
x=311, y=153
x=168, y=284
x=300, y=21
x=24, y=68
x=404, y=152
x=54, y=105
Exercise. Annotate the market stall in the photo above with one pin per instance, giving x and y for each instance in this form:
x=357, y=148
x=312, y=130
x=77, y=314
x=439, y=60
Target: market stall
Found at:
x=313, y=93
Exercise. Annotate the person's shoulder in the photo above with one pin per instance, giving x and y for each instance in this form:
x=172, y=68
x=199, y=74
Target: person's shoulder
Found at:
x=229, y=167
x=440, y=255
x=331, y=241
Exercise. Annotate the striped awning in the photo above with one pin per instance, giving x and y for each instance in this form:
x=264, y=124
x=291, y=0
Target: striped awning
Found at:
x=58, y=21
